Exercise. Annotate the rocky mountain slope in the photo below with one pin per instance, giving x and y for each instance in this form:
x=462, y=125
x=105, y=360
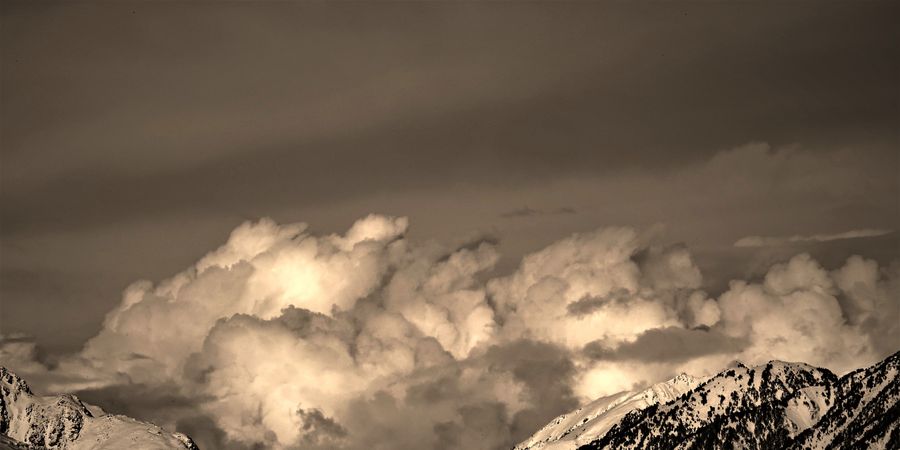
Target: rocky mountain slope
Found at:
x=866, y=411
x=28, y=421
x=776, y=405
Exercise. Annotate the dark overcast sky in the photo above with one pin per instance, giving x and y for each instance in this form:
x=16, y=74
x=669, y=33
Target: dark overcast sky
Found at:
x=135, y=136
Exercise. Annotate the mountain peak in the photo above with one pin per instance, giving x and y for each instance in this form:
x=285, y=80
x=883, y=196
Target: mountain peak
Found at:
x=64, y=422
x=12, y=382
x=774, y=405
x=683, y=378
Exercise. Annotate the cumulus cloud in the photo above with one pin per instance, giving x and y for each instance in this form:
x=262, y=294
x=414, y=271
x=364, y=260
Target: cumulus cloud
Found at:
x=608, y=284
x=262, y=269
x=283, y=338
x=277, y=330
x=795, y=313
x=870, y=299
x=765, y=241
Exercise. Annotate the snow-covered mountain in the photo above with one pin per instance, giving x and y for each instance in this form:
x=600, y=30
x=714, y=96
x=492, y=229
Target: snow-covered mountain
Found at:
x=569, y=431
x=28, y=421
x=776, y=405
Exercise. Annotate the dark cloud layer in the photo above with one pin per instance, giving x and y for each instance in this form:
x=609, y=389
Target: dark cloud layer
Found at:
x=667, y=345
x=268, y=109
x=589, y=305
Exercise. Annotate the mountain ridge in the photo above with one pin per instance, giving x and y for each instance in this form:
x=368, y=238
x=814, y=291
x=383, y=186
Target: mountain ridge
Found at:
x=566, y=431
x=29, y=421
x=774, y=405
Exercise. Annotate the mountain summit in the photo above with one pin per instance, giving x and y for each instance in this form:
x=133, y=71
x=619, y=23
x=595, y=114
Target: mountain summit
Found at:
x=775, y=405
x=28, y=421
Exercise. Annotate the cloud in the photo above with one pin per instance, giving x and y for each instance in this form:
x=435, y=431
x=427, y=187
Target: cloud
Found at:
x=588, y=305
x=491, y=400
x=20, y=351
x=671, y=344
x=607, y=284
x=262, y=269
x=206, y=433
x=796, y=313
x=283, y=338
x=530, y=212
x=757, y=189
x=279, y=318
x=318, y=431
x=765, y=241
x=870, y=299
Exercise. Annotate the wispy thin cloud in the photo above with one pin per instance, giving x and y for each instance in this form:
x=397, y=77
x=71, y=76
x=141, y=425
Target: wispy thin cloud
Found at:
x=765, y=241
x=525, y=211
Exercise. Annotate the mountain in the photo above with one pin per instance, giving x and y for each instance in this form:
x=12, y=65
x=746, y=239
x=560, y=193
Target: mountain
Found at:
x=866, y=411
x=569, y=431
x=28, y=421
x=771, y=406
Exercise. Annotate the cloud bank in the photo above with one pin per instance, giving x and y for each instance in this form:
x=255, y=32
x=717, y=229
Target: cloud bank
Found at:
x=283, y=338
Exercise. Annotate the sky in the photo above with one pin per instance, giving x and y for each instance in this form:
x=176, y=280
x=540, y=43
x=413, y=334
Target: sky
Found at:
x=558, y=190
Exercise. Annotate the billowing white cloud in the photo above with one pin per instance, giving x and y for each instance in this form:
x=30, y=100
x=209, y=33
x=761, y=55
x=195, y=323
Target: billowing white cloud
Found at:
x=588, y=287
x=870, y=299
x=262, y=269
x=367, y=340
x=279, y=322
x=794, y=314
